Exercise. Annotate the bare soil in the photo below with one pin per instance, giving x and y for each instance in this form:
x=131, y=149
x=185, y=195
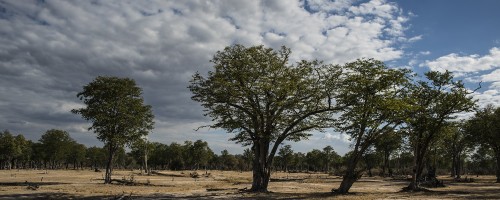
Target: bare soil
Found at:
x=86, y=184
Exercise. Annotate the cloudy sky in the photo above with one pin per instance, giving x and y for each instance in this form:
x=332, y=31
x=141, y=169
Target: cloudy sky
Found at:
x=50, y=49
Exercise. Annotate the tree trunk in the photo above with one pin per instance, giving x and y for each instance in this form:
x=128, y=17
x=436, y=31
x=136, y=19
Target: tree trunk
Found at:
x=109, y=166
x=454, y=166
x=386, y=161
x=458, y=166
x=146, y=170
x=417, y=168
x=261, y=168
x=498, y=166
x=347, y=181
x=351, y=175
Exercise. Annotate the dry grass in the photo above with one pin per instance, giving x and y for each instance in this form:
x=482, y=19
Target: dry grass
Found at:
x=74, y=184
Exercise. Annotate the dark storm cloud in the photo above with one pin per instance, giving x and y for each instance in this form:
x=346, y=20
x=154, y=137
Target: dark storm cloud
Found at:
x=50, y=49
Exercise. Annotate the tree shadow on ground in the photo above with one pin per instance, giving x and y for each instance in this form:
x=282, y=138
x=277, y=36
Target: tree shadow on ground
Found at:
x=28, y=183
x=471, y=191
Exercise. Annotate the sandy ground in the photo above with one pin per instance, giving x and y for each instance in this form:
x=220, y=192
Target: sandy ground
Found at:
x=85, y=184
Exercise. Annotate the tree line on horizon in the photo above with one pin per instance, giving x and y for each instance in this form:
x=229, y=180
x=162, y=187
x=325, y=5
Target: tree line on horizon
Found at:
x=57, y=150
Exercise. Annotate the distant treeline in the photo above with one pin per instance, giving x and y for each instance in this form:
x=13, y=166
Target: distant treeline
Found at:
x=57, y=150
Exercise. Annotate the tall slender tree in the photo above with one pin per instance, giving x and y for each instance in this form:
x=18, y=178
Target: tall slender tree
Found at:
x=286, y=153
x=118, y=114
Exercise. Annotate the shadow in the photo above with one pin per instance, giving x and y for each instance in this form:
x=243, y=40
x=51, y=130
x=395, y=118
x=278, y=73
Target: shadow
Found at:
x=59, y=196
x=477, y=191
x=168, y=175
x=29, y=183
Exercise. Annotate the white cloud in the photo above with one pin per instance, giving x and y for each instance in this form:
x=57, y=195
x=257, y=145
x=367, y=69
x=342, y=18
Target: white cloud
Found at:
x=474, y=69
x=337, y=136
x=468, y=63
x=51, y=49
x=494, y=76
x=424, y=53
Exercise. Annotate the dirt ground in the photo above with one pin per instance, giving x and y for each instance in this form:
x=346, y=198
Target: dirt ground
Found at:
x=86, y=184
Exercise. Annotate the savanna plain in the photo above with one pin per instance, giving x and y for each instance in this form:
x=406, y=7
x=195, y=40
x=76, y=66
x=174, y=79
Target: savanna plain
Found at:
x=87, y=184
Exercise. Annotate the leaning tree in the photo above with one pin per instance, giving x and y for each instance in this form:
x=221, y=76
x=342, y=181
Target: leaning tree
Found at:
x=258, y=95
x=118, y=114
x=374, y=97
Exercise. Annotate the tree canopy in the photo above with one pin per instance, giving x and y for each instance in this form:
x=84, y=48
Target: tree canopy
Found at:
x=117, y=111
x=257, y=94
x=434, y=101
x=373, y=99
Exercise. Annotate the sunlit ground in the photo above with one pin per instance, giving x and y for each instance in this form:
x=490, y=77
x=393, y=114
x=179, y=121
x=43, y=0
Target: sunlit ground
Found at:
x=86, y=184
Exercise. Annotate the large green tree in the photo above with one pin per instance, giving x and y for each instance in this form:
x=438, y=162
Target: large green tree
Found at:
x=257, y=94
x=118, y=114
x=484, y=127
x=434, y=100
x=374, y=100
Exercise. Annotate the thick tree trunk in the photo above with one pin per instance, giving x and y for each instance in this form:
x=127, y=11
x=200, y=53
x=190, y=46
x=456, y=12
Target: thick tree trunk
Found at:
x=347, y=181
x=457, y=166
x=351, y=175
x=417, y=168
x=261, y=168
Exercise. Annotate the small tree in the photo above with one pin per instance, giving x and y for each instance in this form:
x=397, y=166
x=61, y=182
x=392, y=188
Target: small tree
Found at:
x=286, y=154
x=117, y=112
x=330, y=157
x=387, y=144
x=484, y=128
x=256, y=94
x=8, y=149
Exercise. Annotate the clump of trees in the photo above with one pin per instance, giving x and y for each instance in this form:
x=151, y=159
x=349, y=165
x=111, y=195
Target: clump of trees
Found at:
x=255, y=93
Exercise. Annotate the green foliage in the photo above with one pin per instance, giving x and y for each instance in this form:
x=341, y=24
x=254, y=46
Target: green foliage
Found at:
x=57, y=145
x=116, y=109
x=255, y=93
x=434, y=102
x=117, y=112
x=484, y=127
x=96, y=157
x=285, y=153
x=374, y=101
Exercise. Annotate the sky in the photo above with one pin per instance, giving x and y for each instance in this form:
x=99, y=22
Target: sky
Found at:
x=50, y=49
